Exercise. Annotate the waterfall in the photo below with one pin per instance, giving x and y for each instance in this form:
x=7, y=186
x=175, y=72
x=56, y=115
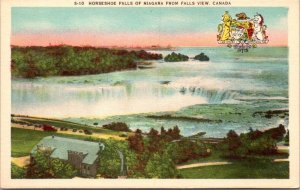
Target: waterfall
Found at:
x=107, y=99
x=214, y=96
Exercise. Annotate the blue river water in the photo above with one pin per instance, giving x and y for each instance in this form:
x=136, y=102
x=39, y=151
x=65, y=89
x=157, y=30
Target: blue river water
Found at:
x=255, y=80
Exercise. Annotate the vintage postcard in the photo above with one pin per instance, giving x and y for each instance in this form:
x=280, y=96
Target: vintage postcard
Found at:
x=157, y=94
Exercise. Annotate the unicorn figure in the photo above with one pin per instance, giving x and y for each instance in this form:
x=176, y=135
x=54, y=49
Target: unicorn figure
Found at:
x=259, y=33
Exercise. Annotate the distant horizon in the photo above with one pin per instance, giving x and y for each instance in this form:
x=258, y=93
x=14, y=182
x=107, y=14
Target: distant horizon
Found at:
x=161, y=26
x=130, y=47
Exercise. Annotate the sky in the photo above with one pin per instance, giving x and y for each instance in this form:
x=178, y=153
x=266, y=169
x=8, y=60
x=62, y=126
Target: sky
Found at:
x=142, y=26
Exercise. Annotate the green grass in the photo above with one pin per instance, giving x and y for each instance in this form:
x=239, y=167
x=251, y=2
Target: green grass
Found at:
x=23, y=140
x=254, y=169
x=66, y=124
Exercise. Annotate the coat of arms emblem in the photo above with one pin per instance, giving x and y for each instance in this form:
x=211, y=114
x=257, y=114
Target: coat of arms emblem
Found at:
x=242, y=32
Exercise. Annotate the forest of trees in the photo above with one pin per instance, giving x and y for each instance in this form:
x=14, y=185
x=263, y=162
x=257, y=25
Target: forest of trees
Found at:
x=30, y=62
x=151, y=155
x=176, y=57
x=255, y=142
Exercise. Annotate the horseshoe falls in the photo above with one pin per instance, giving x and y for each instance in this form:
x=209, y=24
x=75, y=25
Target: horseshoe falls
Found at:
x=227, y=91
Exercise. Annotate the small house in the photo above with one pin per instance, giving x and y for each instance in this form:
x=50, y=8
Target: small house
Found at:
x=82, y=155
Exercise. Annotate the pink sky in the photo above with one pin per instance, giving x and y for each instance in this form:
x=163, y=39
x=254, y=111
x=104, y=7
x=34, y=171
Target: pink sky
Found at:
x=276, y=38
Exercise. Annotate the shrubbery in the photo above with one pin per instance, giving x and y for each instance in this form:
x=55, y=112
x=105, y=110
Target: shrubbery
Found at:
x=45, y=167
x=185, y=150
x=17, y=172
x=252, y=143
x=117, y=126
x=87, y=132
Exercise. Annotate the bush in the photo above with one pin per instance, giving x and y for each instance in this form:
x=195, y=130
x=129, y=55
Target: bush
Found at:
x=45, y=167
x=17, y=172
x=123, y=135
x=74, y=130
x=88, y=132
x=117, y=126
x=185, y=150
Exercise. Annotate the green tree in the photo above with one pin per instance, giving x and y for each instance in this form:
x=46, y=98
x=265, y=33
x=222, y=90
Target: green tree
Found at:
x=110, y=163
x=232, y=145
x=62, y=170
x=184, y=150
x=161, y=166
x=176, y=133
x=276, y=133
x=45, y=167
x=263, y=145
x=109, y=166
x=154, y=144
x=287, y=138
x=136, y=142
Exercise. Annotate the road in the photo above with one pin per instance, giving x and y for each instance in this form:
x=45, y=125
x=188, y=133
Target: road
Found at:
x=202, y=164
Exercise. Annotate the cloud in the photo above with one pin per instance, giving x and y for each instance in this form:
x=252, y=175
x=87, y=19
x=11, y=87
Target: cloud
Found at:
x=37, y=26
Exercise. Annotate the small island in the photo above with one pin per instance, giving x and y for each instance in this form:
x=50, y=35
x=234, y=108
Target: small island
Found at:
x=176, y=57
x=63, y=60
x=201, y=57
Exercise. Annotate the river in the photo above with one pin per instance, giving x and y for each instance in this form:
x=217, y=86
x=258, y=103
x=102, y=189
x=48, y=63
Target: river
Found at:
x=230, y=87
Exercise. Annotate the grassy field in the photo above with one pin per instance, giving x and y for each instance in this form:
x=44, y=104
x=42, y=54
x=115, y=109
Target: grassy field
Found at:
x=23, y=140
x=66, y=124
x=255, y=169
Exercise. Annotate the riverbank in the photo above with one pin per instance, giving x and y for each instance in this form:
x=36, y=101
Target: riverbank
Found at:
x=63, y=60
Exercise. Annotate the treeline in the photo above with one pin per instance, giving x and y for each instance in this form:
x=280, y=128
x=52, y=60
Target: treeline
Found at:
x=30, y=62
x=151, y=155
x=156, y=154
x=255, y=142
